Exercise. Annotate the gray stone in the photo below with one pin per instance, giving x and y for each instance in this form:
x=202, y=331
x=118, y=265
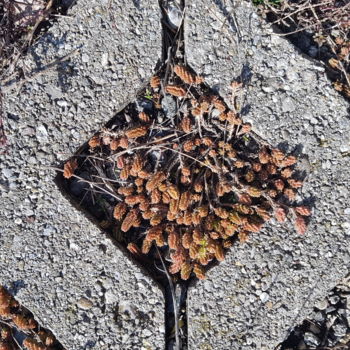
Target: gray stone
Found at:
x=53, y=261
x=296, y=110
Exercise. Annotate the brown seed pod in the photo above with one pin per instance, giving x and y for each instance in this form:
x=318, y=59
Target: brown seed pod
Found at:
x=244, y=209
x=166, y=198
x=254, y=192
x=199, y=271
x=173, y=191
x=175, y=90
x=5, y=297
x=214, y=235
x=186, y=76
x=46, y=337
x=135, y=199
x=124, y=142
x=170, y=216
x=227, y=243
x=32, y=344
x=300, y=225
x=203, y=211
x=219, y=252
x=244, y=198
x=95, y=141
x=185, y=171
x=279, y=184
x=187, y=218
x=243, y=236
x=188, y=146
x=155, y=82
x=146, y=246
x=209, y=222
x=196, y=218
x=271, y=169
x=114, y=144
x=193, y=250
x=219, y=104
x=197, y=236
x=277, y=154
x=186, y=125
x=136, y=132
x=156, y=219
x=126, y=191
x=295, y=183
x=221, y=213
x=185, y=200
x=23, y=322
x=120, y=162
x=173, y=240
x=174, y=206
x=5, y=311
x=237, y=218
x=144, y=117
x=287, y=172
x=263, y=213
x=155, y=181
x=264, y=157
x=134, y=249
x=249, y=176
x=280, y=214
x=289, y=193
x=144, y=205
x=253, y=226
x=288, y=161
x=155, y=196
x=198, y=186
x=125, y=172
x=186, y=240
x=148, y=214
x=119, y=211
x=272, y=193
x=144, y=174
x=69, y=167
x=137, y=164
x=186, y=269
x=130, y=219
x=303, y=210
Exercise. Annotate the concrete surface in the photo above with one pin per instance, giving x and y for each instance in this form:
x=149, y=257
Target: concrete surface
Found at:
x=265, y=287
x=58, y=263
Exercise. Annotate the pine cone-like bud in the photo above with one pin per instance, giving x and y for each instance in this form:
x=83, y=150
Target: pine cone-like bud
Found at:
x=5, y=311
x=198, y=186
x=244, y=198
x=188, y=145
x=287, y=172
x=126, y=191
x=156, y=196
x=197, y=236
x=196, y=218
x=186, y=76
x=253, y=226
x=185, y=200
x=263, y=213
x=137, y=165
x=300, y=225
x=173, y=192
x=186, y=269
x=95, y=141
x=279, y=184
x=32, y=344
x=277, y=154
x=130, y=219
x=254, y=192
x=119, y=211
x=135, y=199
x=124, y=142
x=186, y=240
x=237, y=218
x=24, y=323
x=227, y=243
x=5, y=297
x=136, y=132
x=221, y=213
x=174, y=206
x=155, y=82
x=219, y=252
x=249, y=176
x=186, y=125
x=134, y=249
x=280, y=214
x=144, y=117
x=219, y=104
x=173, y=240
x=264, y=157
x=146, y=246
x=125, y=173
x=290, y=160
x=114, y=144
x=175, y=90
x=209, y=222
x=303, y=210
x=155, y=181
x=187, y=218
x=243, y=236
x=289, y=193
x=194, y=250
x=295, y=183
x=156, y=219
x=46, y=337
x=69, y=167
x=199, y=271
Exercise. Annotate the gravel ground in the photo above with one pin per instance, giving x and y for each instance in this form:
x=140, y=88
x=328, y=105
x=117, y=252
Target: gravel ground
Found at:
x=265, y=287
x=58, y=264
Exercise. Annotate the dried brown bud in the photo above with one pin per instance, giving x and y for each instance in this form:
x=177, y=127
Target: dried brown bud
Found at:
x=135, y=199
x=219, y=104
x=186, y=125
x=134, y=249
x=188, y=146
x=244, y=198
x=237, y=218
x=173, y=240
x=69, y=167
x=303, y=210
x=119, y=211
x=125, y=173
x=146, y=246
x=155, y=181
x=289, y=193
x=199, y=271
x=143, y=174
x=173, y=191
x=95, y=141
x=186, y=240
x=186, y=269
x=114, y=144
x=137, y=165
x=166, y=198
x=5, y=297
x=174, y=206
x=264, y=157
x=156, y=219
x=136, y=132
x=24, y=323
x=124, y=142
x=280, y=214
x=219, y=252
x=254, y=192
x=249, y=176
x=186, y=76
x=130, y=219
x=243, y=236
x=221, y=213
x=300, y=225
x=187, y=218
x=155, y=196
x=175, y=90
x=277, y=154
x=32, y=344
x=185, y=200
x=279, y=184
x=287, y=172
x=155, y=82
x=239, y=163
x=256, y=167
x=295, y=183
x=144, y=117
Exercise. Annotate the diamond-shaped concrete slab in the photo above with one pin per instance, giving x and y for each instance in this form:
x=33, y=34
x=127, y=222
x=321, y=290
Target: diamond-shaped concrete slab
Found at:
x=267, y=286
x=62, y=268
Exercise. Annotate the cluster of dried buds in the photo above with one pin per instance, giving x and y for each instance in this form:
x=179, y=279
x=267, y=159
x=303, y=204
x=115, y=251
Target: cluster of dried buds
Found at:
x=13, y=316
x=197, y=182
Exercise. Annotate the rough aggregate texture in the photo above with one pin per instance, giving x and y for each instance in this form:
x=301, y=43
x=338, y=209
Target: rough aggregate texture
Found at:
x=265, y=287
x=58, y=263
